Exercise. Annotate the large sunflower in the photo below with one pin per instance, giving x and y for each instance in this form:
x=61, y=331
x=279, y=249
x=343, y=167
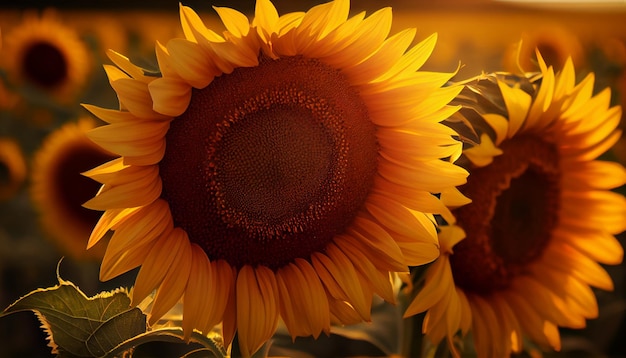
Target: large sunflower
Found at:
x=282, y=169
x=44, y=53
x=58, y=189
x=521, y=259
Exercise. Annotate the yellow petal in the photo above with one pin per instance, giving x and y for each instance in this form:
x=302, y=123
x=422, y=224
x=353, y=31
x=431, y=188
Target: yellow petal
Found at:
x=541, y=103
x=106, y=172
x=113, y=73
x=412, y=60
x=450, y=235
x=229, y=323
x=342, y=274
x=499, y=124
x=382, y=59
x=566, y=259
x=579, y=96
x=196, y=305
x=129, y=132
x=482, y=154
x=594, y=151
x=234, y=21
x=369, y=36
x=434, y=176
x=124, y=63
x=418, y=253
x=399, y=219
x=221, y=291
x=134, y=95
x=566, y=80
x=378, y=279
x=411, y=197
x=164, y=61
x=337, y=14
x=453, y=198
x=229, y=55
x=171, y=96
x=257, y=307
x=436, y=286
x=320, y=261
x=172, y=288
x=488, y=335
x=466, y=311
x=382, y=262
x=314, y=21
x=512, y=330
x=109, y=219
x=376, y=238
x=532, y=323
x=517, y=104
x=191, y=62
x=265, y=19
x=140, y=143
x=157, y=263
x=146, y=224
x=303, y=303
x=319, y=306
x=110, y=115
x=193, y=27
x=139, y=189
x=599, y=246
x=341, y=313
x=115, y=265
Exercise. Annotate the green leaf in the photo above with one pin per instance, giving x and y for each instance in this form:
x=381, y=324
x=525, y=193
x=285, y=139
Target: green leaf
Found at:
x=81, y=326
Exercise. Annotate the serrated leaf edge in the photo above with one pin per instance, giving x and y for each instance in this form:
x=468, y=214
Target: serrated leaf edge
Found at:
x=40, y=317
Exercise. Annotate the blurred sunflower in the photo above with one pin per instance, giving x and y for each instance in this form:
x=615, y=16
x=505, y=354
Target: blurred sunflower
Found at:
x=58, y=189
x=283, y=169
x=42, y=52
x=12, y=168
x=555, y=43
x=522, y=257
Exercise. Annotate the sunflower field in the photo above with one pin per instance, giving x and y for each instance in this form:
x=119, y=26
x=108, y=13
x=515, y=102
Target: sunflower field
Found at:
x=313, y=179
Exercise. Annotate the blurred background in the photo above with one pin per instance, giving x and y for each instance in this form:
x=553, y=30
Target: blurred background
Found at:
x=43, y=149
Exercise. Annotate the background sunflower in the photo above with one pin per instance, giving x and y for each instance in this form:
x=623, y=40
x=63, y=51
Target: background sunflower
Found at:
x=41, y=54
x=59, y=189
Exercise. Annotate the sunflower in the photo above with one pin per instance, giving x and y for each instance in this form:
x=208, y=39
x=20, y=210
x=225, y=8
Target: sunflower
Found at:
x=281, y=170
x=521, y=259
x=12, y=168
x=43, y=53
x=58, y=189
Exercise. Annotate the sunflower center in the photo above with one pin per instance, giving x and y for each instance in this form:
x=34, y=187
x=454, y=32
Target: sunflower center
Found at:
x=510, y=221
x=72, y=188
x=44, y=65
x=269, y=163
